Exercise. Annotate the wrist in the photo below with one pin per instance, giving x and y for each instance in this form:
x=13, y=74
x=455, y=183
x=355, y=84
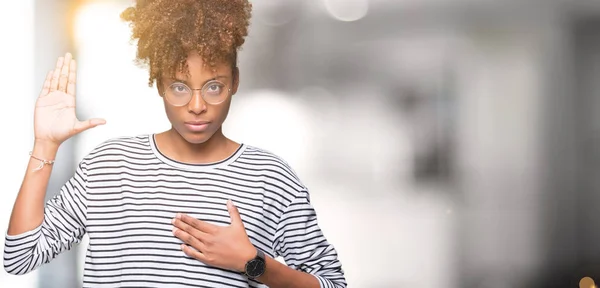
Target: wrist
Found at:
x=45, y=149
x=247, y=257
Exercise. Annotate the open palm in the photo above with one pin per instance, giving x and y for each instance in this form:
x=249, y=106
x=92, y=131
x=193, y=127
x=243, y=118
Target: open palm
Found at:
x=55, y=119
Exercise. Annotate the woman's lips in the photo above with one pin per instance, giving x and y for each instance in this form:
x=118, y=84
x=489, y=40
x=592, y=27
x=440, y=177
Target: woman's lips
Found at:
x=197, y=126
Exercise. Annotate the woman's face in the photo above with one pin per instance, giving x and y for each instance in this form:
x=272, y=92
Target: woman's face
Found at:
x=197, y=121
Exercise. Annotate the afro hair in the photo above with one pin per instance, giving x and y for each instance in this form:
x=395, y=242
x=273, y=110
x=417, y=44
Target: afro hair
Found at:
x=168, y=30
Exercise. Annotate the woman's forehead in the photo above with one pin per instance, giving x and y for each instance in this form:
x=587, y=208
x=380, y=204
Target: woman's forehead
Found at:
x=191, y=72
x=195, y=60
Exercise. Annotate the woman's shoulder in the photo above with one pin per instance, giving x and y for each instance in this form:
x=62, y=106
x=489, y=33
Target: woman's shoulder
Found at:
x=265, y=155
x=269, y=161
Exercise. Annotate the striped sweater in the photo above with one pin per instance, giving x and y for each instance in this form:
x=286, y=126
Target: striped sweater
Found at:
x=124, y=194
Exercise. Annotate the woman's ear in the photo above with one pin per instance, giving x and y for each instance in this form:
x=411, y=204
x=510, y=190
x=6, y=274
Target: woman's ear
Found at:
x=236, y=80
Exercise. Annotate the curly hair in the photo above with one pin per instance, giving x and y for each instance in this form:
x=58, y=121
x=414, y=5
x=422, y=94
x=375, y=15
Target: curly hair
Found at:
x=168, y=30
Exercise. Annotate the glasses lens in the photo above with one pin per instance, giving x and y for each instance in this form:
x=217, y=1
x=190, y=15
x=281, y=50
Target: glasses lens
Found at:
x=178, y=94
x=214, y=92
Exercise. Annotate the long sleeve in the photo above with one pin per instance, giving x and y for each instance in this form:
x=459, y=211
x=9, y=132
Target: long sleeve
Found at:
x=304, y=247
x=62, y=227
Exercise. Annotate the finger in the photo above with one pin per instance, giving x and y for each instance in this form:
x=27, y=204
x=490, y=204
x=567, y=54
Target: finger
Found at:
x=198, y=224
x=188, y=239
x=46, y=86
x=234, y=214
x=56, y=74
x=81, y=126
x=72, y=78
x=194, y=253
x=190, y=230
x=64, y=73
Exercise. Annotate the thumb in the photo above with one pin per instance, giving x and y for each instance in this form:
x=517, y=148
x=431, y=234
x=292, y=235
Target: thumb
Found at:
x=234, y=214
x=81, y=126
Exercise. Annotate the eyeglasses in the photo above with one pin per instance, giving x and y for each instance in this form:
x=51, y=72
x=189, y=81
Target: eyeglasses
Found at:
x=213, y=92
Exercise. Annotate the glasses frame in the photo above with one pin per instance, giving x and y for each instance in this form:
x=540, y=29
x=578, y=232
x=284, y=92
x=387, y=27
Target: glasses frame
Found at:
x=164, y=92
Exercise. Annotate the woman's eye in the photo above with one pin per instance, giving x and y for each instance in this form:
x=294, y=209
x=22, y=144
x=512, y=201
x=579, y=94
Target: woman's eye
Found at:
x=214, y=88
x=178, y=88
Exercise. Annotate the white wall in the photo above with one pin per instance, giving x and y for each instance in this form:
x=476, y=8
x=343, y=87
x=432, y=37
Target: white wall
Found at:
x=16, y=112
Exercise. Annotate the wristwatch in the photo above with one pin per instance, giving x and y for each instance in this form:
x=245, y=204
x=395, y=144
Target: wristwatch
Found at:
x=256, y=267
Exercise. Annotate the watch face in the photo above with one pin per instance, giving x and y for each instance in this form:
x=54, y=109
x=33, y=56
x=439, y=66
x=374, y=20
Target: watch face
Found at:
x=255, y=267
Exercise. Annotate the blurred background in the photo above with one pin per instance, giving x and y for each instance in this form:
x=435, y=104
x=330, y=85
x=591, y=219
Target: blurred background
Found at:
x=446, y=143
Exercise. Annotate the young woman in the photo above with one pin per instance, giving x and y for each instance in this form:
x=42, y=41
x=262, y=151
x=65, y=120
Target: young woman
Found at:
x=187, y=207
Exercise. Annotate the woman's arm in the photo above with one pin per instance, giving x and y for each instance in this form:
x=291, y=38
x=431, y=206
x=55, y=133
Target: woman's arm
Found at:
x=38, y=232
x=54, y=122
x=28, y=210
x=303, y=245
x=62, y=224
x=279, y=275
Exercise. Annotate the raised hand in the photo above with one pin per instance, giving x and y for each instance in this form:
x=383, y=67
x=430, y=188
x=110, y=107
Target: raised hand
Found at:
x=54, y=118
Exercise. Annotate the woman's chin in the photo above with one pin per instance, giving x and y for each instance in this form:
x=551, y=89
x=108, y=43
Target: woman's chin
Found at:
x=195, y=137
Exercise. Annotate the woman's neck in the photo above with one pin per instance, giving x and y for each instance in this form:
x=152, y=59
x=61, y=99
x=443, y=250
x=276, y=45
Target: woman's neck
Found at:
x=215, y=149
